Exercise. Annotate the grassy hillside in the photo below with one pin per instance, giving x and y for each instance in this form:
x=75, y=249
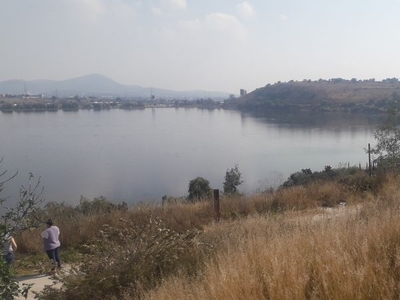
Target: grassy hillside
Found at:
x=293, y=243
x=323, y=95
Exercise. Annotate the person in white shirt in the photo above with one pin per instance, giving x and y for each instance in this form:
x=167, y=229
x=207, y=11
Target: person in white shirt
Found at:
x=52, y=243
x=9, y=247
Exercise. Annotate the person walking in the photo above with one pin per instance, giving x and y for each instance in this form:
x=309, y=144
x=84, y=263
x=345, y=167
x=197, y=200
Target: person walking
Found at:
x=9, y=247
x=52, y=243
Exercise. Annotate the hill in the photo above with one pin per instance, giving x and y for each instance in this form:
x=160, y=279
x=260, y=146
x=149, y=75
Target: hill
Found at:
x=322, y=95
x=95, y=85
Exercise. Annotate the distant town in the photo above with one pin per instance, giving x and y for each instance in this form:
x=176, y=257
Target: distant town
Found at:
x=334, y=95
x=39, y=103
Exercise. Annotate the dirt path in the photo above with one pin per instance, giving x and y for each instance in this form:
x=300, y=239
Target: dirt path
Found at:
x=39, y=281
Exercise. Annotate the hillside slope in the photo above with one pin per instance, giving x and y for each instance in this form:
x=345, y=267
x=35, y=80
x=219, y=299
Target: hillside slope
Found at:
x=322, y=95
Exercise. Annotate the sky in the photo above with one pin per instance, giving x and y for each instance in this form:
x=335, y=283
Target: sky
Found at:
x=211, y=45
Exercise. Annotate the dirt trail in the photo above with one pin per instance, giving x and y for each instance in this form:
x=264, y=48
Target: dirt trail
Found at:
x=335, y=212
x=39, y=281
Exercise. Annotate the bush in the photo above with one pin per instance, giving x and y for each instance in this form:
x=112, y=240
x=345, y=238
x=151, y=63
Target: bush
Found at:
x=8, y=284
x=98, y=205
x=15, y=220
x=130, y=260
x=199, y=188
x=233, y=178
x=306, y=176
x=361, y=182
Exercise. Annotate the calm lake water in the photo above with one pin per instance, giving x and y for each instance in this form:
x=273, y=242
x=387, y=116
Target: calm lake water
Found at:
x=141, y=155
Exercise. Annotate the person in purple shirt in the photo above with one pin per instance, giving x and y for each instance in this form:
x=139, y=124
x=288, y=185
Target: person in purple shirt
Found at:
x=52, y=243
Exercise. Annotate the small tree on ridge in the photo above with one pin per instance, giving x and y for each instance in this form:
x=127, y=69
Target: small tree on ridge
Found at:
x=388, y=141
x=199, y=188
x=233, y=178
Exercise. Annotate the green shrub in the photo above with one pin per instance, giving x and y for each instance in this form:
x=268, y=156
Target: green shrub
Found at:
x=8, y=284
x=233, y=178
x=306, y=176
x=199, y=188
x=98, y=205
x=362, y=182
x=131, y=259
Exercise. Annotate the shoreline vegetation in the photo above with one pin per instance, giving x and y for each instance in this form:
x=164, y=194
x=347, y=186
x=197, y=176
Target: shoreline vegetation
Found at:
x=26, y=104
x=322, y=236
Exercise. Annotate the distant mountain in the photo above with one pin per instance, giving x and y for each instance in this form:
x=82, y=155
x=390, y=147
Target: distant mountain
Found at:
x=96, y=85
x=322, y=95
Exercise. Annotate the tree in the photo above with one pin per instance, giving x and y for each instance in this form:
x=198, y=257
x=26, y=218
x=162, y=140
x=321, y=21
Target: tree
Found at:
x=14, y=220
x=199, y=188
x=21, y=217
x=388, y=141
x=232, y=180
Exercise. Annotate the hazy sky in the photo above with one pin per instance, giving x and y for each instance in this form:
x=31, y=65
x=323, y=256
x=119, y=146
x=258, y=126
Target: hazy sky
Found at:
x=214, y=45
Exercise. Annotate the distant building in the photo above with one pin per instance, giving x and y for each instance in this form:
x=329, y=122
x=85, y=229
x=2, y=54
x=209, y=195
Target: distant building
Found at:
x=39, y=96
x=243, y=92
x=231, y=96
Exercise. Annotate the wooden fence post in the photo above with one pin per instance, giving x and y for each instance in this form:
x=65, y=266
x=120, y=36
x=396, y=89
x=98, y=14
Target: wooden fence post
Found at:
x=217, y=212
x=369, y=160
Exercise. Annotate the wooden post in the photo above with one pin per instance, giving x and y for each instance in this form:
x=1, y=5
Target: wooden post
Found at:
x=369, y=160
x=217, y=212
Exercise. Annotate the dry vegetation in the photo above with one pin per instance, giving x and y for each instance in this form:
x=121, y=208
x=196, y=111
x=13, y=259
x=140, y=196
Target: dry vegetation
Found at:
x=334, y=95
x=278, y=245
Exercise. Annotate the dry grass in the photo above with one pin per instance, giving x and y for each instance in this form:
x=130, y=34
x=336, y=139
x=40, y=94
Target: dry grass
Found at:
x=291, y=244
x=352, y=255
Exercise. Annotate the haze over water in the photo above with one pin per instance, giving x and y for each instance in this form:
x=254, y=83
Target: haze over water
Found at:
x=141, y=155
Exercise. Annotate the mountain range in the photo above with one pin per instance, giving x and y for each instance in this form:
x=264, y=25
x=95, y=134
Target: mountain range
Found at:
x=96, y=85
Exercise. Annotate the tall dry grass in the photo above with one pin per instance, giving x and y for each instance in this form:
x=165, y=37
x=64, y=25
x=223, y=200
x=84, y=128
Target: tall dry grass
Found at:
x=78, y=227
x=350, y=253
x=289, y=244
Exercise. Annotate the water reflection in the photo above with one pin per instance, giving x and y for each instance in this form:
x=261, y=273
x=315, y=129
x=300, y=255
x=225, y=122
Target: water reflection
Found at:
x=324, y=121
x=144, y=154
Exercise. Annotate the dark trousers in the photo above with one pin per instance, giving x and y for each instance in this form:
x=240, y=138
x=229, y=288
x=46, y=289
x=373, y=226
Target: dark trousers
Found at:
x=54, y=255
x=9, y=258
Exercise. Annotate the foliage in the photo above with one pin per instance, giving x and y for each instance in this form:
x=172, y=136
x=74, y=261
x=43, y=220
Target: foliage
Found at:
x=71, y=219
x=21, y=217
x=334, y=95
x=199, y=188
x=362, y=182
x=232, y=180
x=128, y=253
x=8, y=284
x=70, y=105
x=17, y=219
x=9, y=287
x=129, y=259
x=347, y=253
x=306, y=176
x=4, y=181
x=14, y=221
x=171, y=199
x=98, y=205
x=388, y=141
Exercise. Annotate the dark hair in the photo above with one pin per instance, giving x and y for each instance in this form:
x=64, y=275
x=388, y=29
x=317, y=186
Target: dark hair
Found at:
x=49, y=222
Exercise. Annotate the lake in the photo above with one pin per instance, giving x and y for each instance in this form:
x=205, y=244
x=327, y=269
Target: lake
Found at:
x=141, y=155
